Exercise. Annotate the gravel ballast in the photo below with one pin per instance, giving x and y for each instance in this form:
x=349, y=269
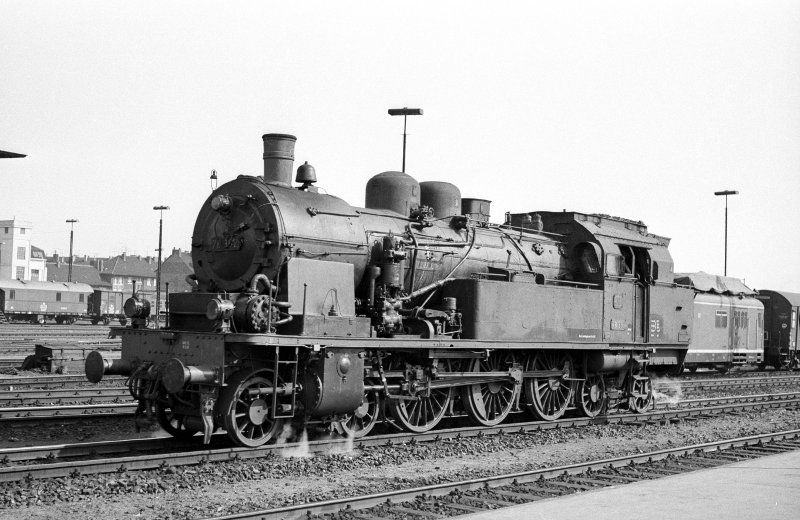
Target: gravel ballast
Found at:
x=225, y=488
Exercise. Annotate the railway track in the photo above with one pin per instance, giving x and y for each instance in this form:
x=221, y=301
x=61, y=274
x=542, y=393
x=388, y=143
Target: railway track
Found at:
x=454, y=499
x=108, y=457
x=52, y=397
x=783, y=379
x=8, y=384
x=58, y=396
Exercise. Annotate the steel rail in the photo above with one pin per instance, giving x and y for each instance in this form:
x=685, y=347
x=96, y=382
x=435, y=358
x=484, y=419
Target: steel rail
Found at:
x=736, y=382
x=53, y=454
x=9, y=384
x=17, y=413
x=54, y=396
x=728, y=399
x=353, y=504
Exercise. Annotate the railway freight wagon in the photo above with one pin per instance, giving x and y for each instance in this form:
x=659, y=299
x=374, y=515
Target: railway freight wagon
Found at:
x=104, y=306
x=728, y=323
x=781, y=329
x=415, y=307
x=37, y=302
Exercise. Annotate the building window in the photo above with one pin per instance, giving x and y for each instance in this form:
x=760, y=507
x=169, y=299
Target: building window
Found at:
x=80, y=298
x=721, y=320
x=20, y=253
x=20, y=273
x=58, y=296
x=34, y=274
x=6, y=231
x=13, y=293
x=22, y=231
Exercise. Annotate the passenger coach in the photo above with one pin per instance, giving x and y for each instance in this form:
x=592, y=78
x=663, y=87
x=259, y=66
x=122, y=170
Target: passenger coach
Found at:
x=37, y=302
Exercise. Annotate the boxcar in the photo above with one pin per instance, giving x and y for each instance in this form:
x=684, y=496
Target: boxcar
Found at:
x=36, y=302
x=104, y=306
x=780, y=329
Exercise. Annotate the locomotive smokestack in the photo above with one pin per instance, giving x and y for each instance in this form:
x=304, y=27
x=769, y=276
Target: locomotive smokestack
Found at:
x=278, y=158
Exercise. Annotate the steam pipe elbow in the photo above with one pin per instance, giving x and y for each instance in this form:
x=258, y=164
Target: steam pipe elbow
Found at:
x=262, y=278
x=191, y=279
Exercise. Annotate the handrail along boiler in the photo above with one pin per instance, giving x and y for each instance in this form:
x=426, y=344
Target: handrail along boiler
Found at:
x=415, y=307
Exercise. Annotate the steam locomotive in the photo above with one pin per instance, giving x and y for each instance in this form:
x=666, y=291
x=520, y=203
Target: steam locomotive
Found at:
x=410, y=309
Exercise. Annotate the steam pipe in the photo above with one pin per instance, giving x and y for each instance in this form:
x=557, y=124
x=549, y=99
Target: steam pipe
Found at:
x=446, y=279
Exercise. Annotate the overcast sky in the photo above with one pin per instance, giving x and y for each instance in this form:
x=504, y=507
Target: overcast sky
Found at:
x=635, y=109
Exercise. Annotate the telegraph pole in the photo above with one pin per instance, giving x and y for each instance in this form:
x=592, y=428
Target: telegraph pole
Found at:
x=726, y=193
x=161, y=210
x=71, y=223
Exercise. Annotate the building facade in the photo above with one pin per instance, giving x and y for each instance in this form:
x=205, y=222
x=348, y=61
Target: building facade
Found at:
x=125, y=271
x=19, y=260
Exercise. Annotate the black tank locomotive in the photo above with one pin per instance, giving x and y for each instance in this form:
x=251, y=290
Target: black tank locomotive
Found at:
x=415, y=307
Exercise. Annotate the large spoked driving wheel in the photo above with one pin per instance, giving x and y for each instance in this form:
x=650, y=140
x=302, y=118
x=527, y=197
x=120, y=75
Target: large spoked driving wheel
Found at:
x=247, y=416
x=641, y=398
x=548, y=396
x=591, y=397
x=422, y=414
x=361, y=421
x=173, y=423
x=488, y=404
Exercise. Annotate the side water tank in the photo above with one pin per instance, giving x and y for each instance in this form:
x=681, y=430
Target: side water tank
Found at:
x=393, y=191
x=443, y=197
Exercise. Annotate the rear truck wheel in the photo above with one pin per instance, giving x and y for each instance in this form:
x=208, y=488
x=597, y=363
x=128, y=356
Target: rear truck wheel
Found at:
x=106, y=320
x=246, y=416
x=693, y=369
x=722, y=369
x=487, y=404
x=591, y=396
x=173, y=423
x=548, y=396
x=360, y=422
x=641, y=398
x=123, y=321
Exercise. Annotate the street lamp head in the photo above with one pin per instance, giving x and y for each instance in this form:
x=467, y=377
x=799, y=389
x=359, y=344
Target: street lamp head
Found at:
x=71, y=220
x=160, y=208
x=405, y=111
x=726, y=192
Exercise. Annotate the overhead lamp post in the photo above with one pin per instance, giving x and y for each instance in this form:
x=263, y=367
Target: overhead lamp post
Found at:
x=71, y=223
x=160, y=209
x=719, y=194
x=405, y=112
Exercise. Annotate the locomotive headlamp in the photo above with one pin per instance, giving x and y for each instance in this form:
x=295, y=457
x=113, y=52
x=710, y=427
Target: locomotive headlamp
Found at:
x=221, y=203
x=219, y=309
x=136, y=308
